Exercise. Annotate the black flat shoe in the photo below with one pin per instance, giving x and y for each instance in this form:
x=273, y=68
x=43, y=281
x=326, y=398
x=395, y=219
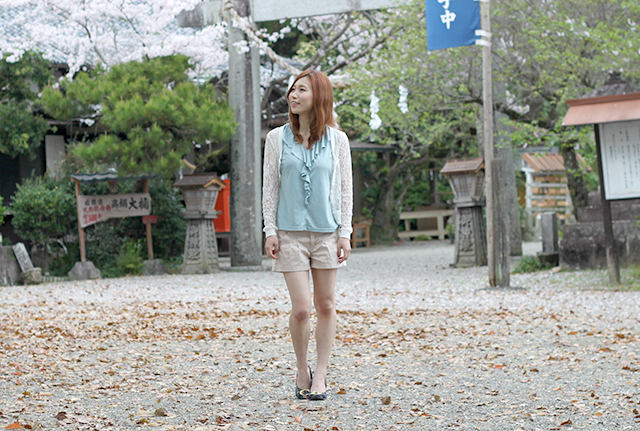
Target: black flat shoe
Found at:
x=303, y=394
x=319, y=396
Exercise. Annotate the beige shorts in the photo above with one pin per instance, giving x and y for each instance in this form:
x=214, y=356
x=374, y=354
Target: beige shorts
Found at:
x=301, y=251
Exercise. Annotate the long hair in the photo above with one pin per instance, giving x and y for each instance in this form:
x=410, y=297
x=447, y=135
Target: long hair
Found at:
x=322, y=114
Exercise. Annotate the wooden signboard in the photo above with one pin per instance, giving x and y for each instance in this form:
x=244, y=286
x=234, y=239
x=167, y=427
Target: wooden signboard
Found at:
x=620, y=146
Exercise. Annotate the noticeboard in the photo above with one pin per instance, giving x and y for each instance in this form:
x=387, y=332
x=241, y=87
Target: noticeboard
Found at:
x=96, y=209
x=620, y=151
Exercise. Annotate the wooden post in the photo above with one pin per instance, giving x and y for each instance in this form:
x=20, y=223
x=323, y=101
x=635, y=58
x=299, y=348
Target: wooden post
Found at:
x=487, y=133
x=83, y=253
x=609, y=241
x=145, y=187
x=502, y=248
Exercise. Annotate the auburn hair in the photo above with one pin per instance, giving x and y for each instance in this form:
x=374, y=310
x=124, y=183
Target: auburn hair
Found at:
x=322, y=113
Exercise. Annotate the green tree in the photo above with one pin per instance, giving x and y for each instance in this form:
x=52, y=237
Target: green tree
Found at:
x=21, y=128
x=434, y=127
x=150, y=115
x=544, y=54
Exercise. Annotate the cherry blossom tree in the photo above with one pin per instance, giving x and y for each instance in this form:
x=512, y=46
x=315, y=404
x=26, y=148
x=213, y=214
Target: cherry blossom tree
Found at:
x=107, y=32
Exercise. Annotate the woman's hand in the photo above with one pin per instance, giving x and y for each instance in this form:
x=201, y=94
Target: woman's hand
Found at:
x=344, y=249
x=271, y=246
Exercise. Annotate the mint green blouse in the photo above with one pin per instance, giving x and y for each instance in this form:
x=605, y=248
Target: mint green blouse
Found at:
x=305, y=183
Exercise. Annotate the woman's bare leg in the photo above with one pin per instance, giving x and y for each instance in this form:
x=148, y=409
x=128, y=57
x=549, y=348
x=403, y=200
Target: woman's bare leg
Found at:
x=324, y=288
x=300, y=293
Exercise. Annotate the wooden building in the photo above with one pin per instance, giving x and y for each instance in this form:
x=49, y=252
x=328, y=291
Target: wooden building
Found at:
x=545, y=188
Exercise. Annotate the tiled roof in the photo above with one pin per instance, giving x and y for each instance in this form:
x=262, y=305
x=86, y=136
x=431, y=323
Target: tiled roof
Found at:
x=15, y=32
x=548, y=162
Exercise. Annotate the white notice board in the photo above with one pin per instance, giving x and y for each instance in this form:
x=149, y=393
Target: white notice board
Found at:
x=620, y=150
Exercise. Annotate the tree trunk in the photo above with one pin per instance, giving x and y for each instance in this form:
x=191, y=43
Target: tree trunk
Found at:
x=575, y=177
x=384, y=227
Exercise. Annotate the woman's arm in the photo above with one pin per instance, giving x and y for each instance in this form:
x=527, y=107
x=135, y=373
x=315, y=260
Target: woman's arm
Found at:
x=270, y=183
x=346, y=186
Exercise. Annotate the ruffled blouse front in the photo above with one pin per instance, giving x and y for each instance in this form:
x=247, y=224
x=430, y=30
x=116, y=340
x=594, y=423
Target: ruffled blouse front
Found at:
x=305, y=184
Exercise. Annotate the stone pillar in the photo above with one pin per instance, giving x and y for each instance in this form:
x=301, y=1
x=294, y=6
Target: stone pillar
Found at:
x=549, y=232
x=201, y=247
x=245, y=246
x=30, y=275
x=200, y=193
x=470, y=237
x=9, y=268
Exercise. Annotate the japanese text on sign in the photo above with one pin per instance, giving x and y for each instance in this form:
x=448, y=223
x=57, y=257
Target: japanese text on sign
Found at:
x=96, y=209
x=620, y=145
x=451, y=23
x=448, y=16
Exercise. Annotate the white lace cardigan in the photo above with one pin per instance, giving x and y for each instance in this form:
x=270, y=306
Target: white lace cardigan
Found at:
x=340, y=195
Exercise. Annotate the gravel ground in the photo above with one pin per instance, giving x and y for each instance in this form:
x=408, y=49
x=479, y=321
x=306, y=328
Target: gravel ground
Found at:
x=420, y=346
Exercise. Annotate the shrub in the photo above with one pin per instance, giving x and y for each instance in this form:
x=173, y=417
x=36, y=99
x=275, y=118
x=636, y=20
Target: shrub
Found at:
x=2, y=210
x=530, y=264
x=130, y=259
x=44, y=212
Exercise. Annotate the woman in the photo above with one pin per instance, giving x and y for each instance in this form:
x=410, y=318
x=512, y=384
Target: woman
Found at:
x=307, y=204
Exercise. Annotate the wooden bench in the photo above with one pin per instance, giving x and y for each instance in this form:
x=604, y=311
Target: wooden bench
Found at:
x=360, y=234
x=439, y=214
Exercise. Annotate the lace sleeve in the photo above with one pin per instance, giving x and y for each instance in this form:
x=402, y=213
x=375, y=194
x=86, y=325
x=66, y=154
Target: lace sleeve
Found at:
x=270, y=183
x=346, y=186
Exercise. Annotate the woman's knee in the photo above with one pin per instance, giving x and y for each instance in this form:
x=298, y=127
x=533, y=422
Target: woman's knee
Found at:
x=325, y=306
x=301, y=314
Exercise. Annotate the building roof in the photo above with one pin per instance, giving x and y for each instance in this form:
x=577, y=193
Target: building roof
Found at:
x=17, y=32
x=203, y=180
x=108, y=176
x=603, y=109
x=366, y=146
x=463, y=166
x=548, y=163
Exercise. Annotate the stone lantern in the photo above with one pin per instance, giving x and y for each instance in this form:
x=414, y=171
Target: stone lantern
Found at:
x=200, y=193
x=466, y=178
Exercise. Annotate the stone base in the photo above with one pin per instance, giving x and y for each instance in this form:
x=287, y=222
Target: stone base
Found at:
x=154, y=267
x=32, y=276
x=9, y=268
x=84, y=271
x=553, y=259
x=251, y=268
x=583, y=245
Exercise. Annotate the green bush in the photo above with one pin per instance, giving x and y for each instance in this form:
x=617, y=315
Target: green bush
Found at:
x=2, y=210
x=130, y=259
x=44, y=212
x=530, y=264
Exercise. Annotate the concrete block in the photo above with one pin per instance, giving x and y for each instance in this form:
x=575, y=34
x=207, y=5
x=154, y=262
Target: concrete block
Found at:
x=9, y=267
x=154, y=267
x=32, y=276
x=84, y=271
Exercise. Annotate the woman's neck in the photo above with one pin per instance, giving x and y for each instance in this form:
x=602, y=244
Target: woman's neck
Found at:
x=304, y=127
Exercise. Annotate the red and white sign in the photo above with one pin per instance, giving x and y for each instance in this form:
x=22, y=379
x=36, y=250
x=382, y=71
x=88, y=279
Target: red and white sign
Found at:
x=96, y=209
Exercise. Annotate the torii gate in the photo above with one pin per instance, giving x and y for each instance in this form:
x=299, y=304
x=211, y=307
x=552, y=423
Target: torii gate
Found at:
x=244, y=98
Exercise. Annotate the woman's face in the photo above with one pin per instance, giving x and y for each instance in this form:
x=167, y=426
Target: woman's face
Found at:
x=301, y=97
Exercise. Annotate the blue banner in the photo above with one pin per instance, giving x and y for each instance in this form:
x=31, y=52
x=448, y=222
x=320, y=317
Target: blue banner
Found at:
x=452, y=23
